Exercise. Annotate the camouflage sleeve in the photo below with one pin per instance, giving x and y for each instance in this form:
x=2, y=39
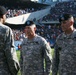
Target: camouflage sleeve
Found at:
x=10, y=53
x=21, y=61
x=48, y=58
x=55, y=61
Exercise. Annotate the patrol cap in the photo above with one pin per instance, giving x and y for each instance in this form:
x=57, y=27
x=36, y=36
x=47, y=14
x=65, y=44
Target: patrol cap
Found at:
x=65, y=17
x=2, y=10
x=29, y=23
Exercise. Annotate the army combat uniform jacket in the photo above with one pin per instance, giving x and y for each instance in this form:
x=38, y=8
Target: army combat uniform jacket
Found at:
x=33, y=54
x=8, y=60
x=64, y=60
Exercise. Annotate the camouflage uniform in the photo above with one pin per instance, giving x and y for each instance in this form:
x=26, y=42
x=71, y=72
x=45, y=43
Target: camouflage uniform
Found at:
x=8, y=60
x=33, y=54
x=64, y=60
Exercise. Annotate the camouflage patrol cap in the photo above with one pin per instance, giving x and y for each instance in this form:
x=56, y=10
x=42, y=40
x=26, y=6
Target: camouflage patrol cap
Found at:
x=2, y=10
x=65, y=17
x=29, y=23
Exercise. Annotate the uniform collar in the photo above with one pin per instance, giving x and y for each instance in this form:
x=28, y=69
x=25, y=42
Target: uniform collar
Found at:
x=73, y=34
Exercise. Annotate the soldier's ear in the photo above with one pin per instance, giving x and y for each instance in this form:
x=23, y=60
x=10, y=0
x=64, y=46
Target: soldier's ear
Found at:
x=35, y=28
x=71, y=22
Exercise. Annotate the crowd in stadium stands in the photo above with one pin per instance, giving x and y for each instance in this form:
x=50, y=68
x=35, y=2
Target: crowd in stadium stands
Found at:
x=49, y=32
x=17, y=12
x=61, y=8
x=58, y=9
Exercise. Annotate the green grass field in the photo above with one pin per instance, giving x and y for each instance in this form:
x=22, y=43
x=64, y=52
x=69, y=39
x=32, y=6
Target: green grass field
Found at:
x=18, y=55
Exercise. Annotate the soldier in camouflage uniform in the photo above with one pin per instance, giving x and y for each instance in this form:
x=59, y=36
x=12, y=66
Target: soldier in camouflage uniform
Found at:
x=9, y=64
x=64, y=60
x=34, y=50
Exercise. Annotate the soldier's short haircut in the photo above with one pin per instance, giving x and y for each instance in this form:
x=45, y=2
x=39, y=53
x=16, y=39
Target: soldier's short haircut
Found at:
x=2, y=10
x=65, y=17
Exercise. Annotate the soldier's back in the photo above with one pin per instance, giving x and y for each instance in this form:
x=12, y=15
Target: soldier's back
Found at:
x=4, y=70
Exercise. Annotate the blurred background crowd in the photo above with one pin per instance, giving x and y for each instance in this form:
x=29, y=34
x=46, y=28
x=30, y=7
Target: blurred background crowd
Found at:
x=47, y=28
